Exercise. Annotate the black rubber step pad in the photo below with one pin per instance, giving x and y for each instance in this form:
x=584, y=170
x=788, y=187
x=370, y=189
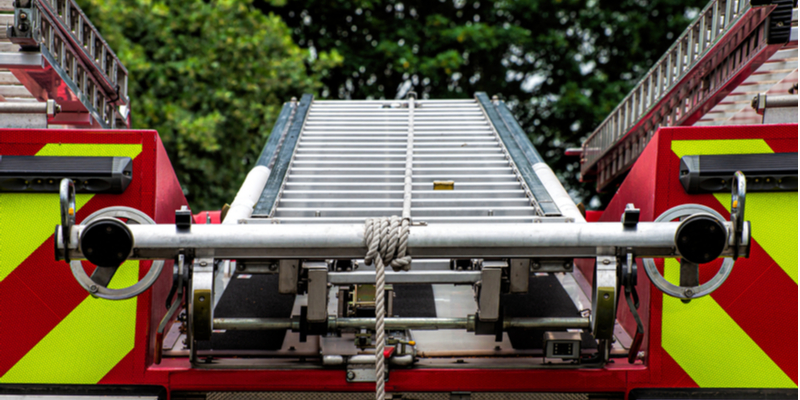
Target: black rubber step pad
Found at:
x=414, y=301
x=545, y=298
x=255, y=296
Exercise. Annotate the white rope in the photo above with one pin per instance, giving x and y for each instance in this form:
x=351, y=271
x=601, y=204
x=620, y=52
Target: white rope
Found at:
x=386, y=239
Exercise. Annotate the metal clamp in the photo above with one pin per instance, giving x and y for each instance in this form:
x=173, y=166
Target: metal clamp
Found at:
x=201, y=297
x=738, y=195
x=67, y=199
x=604, y=297
x=133, y=216
x=687, y=210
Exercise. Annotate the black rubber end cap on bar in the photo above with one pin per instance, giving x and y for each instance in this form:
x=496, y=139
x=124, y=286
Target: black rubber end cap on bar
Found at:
x=107, y=242
x=701, y=239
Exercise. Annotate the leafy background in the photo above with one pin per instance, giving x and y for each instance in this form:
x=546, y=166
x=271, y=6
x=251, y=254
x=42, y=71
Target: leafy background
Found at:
x=211, y=75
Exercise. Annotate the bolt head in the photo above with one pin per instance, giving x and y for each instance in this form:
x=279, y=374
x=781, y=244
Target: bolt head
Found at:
x=351, y=375
x=688, y=293
x=606, y=262
x=93, y=288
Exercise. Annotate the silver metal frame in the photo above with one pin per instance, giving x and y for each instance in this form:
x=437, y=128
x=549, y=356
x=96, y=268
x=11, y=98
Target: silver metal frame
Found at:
x=346, y=241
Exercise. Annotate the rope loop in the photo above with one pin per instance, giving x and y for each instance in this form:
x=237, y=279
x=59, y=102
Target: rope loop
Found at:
x=387, y=237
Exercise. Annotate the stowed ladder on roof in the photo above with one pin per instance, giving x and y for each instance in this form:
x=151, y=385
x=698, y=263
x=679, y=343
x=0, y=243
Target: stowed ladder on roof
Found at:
x=55, y=54
x=728, y=41
x=344, y=161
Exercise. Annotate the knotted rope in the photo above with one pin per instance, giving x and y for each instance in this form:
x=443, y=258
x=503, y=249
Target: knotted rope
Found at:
x=386, y=239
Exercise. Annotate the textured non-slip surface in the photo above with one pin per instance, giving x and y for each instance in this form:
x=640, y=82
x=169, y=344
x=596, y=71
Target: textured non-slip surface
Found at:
x=545, y=298
x=253, y=297
x=414, y=301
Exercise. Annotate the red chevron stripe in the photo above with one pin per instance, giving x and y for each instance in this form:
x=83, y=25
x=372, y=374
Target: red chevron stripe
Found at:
x=24, y=320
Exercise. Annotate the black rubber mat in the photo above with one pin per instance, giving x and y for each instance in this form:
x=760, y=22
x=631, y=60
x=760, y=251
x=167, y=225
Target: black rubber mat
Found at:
x=545, y=298
x=253, y=297
x=414, y=301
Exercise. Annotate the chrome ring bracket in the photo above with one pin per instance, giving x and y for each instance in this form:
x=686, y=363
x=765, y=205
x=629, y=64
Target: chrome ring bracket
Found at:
x=133, y=216
x=681, y=211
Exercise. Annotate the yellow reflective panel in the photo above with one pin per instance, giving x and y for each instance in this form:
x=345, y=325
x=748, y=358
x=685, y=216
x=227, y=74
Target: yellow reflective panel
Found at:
x=725, y=146
x=87, y=344
x=26, y=221
x=773, y=223
x=711, y=347
x=90, y=150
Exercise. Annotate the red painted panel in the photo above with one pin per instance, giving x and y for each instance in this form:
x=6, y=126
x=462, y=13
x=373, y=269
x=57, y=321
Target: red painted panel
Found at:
x=767, y=312
x=122, y=373
x=22, y=312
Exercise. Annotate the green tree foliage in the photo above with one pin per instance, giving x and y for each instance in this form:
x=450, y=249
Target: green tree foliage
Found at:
x=211, y=77
x=562, y=64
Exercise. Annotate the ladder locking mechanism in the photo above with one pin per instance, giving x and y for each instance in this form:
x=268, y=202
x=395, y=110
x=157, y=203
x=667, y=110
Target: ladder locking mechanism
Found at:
x=701, y=238
x=106, y=242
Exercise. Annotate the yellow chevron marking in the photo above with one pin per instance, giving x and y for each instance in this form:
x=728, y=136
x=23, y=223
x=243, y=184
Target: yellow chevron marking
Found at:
x=774, y=215
x=87, y=344
x=28, y=219
x=711, y=347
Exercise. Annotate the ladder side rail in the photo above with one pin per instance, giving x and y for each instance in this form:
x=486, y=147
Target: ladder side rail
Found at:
x=269, y=198
x=522, y=164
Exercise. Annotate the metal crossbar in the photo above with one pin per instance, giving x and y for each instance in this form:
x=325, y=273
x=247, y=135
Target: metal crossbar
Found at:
x=712, y=56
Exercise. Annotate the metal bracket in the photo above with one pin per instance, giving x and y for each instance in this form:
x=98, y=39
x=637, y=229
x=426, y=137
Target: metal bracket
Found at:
x=738, y=196
x=604, y=297
x=317, y=290
x=201, y=310
x=519, y=275
x=67, y=198
x=287, y=276
x=183, y=219
x=489, y=298
x=630, y=217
